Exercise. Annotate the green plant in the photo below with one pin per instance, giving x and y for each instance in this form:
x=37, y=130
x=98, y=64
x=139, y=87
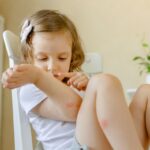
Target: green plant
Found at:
x=145, y=60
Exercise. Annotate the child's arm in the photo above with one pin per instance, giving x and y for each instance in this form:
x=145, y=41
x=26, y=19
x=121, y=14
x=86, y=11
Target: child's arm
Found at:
x=61, y=98
x=62, y=102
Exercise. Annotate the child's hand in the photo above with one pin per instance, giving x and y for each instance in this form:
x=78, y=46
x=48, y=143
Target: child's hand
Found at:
x=20, y=75
x=79, y=80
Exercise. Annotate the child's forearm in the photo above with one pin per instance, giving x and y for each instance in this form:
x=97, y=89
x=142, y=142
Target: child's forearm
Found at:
x=67, y=101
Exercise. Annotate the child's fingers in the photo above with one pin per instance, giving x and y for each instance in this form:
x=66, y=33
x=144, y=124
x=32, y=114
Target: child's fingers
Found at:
x=10, y=76
x=81, y=85
x=13, y=83
x=76, y=75
x=76, y=80
x=10, y=85
x=79, y=76
x=9, y=70
x=5, y=75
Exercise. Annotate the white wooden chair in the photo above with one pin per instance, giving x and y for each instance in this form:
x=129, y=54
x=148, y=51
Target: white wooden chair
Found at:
x=22, y=130
x=93, y=63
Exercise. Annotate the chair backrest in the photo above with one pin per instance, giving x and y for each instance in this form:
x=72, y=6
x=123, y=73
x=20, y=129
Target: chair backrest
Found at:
x=93, y=63
x=22, y=130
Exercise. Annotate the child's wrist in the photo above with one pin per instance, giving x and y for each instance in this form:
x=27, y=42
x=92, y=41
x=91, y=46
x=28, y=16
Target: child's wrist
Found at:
x=38, y=75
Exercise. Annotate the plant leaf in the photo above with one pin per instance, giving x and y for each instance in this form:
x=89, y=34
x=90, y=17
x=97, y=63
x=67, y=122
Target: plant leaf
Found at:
x=145, y=45
x=138, y=58
x=148, y=57
x=144, y=63
x=148, y=68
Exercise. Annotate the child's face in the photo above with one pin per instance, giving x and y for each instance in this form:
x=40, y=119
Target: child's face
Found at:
x=52, y=51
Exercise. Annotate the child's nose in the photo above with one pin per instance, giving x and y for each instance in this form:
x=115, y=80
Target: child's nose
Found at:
x=51, y=67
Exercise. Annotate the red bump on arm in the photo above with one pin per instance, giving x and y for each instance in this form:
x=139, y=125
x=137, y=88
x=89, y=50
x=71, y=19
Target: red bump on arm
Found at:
x=104, y=123
x=70, y=105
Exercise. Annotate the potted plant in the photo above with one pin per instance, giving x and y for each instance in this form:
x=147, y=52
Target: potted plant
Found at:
x=144, y=62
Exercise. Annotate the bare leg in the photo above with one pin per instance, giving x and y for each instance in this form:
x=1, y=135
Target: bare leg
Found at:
x=104, y=121
x=140, y=110
x=148, y=118
x=88, y=130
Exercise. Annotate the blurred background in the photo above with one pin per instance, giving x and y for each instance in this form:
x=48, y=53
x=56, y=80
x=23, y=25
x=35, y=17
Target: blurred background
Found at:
x=113, y=28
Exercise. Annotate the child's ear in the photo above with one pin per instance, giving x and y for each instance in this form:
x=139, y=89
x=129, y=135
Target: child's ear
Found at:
x=30, y=39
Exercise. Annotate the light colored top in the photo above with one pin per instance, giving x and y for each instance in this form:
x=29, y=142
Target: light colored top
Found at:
x=54, y=135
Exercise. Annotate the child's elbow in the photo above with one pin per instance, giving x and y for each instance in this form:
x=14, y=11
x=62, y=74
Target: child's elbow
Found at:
x=72, y=111
x=72, y=116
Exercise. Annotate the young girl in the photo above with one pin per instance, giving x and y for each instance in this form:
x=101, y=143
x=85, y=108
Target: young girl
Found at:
x=67, y=110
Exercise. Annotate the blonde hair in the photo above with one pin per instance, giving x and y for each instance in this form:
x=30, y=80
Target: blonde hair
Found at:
x=53, y=21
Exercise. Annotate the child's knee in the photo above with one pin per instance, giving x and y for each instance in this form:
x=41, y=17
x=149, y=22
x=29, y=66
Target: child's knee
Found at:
x=144, y=89
x=104, y=81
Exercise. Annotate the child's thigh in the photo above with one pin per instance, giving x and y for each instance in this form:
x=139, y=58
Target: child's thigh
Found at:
x=88, y=130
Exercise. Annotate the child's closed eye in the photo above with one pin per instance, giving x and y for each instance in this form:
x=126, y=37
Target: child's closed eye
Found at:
x=62, y=58
x=42, y=59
